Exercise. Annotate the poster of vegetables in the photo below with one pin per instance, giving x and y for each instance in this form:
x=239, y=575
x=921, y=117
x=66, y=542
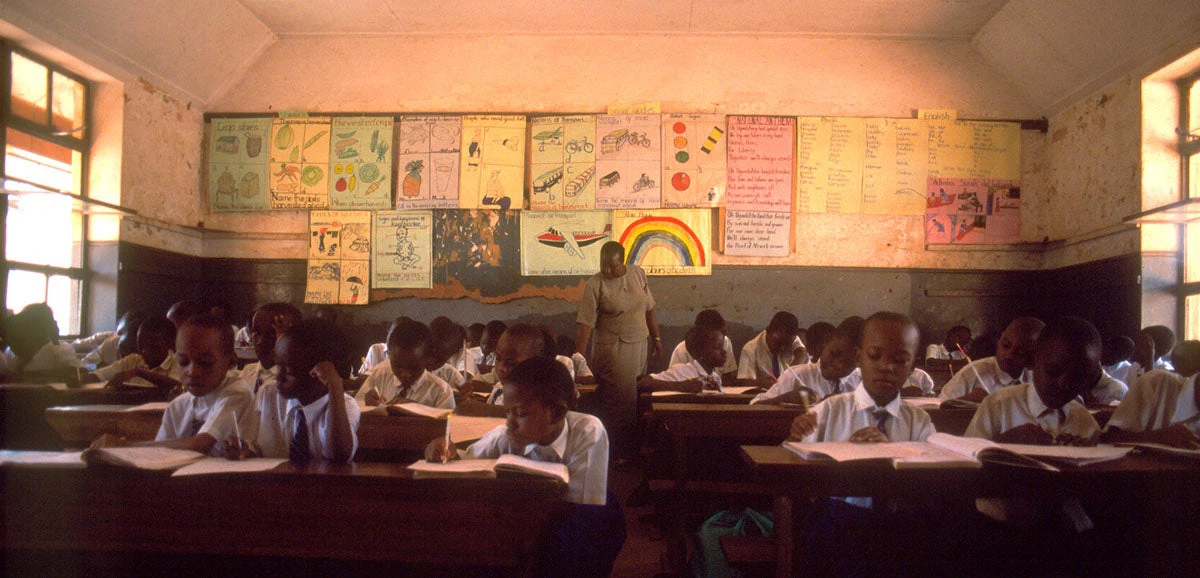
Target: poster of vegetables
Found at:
x=428, y=150
x=299, y=172
x=339, y=257
x=360, y=161
x=237, y=164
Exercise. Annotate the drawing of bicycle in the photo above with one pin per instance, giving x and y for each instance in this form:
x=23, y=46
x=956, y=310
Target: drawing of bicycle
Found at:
x=639, y=138
x=582, y=145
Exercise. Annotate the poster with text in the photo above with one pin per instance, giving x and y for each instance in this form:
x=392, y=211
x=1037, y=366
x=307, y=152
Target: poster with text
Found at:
x=960, y=149
x=758, y=233
x=973, y=211
x=693, y=160
x=562, y=172
x=361, y=163
x=238, y=164
x=629, y=161
x=760, y=163
x=667, y=241
x=339, y=257
x=492, y=174
x=402, y=252
x=894, y=166
x=563, y=242
x=428, y=159
x=829, y=164
x=300, y=163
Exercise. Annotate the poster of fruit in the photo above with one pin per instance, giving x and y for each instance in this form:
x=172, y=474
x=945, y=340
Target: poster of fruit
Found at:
x=339, y=257
x=429, y=149
x=299, y=172
x=237, y=164
x=628, y=162
x=360, y=162
x=402, y=254
x=492, y=174
x=693, y=160
x=562, y=172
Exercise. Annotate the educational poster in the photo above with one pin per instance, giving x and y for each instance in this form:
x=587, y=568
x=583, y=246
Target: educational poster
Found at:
x=758, y=233
x=667, y=241
x=829, y=164
x=760, y=163
x=563, y=163
x=973, y=211
x=894, y=166
x=428, y=162
x=339, y=257
x=237, y=164
x=563, y=242
x=477, y=251
x=693, y=160
x=402, y=253
x=961, y=149
x=300, y=163
x=361, y=163
x=629, y=162
x=493, y=162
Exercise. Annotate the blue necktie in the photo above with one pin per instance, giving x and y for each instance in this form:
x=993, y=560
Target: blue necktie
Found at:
x=881, y=416
x=257, y=384
x=775, y=365
x=298, y=450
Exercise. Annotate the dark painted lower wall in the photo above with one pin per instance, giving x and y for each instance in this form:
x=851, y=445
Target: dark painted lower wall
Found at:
x=1106, y=292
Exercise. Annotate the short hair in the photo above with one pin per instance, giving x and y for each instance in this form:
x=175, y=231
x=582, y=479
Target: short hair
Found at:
x=132, y=319
x=1116, y=350
x=538, y=335
x=1186, y=358
x=710, y=318
x=1027, y=325
x=321, y=337
x=692, y=340
x=159, y=326
x=496, y=327
x=1073, y=331
x=545, y=379
x=849, y=329
x=566, y=345
x=612, y=248
x=1163, y=337
x=278, y=308
x=885, y=317
x=442, y=328
x=476, y=331
x=214, y=323
x=958, y=328
x=408, y=334
x=784, y=321
x=184, y=310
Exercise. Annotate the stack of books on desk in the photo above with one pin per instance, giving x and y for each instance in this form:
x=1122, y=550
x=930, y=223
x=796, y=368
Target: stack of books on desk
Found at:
x=947, y=451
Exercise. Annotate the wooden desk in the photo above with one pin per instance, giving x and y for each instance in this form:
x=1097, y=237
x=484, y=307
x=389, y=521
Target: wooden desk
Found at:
x=354, y=512
x=22, y=407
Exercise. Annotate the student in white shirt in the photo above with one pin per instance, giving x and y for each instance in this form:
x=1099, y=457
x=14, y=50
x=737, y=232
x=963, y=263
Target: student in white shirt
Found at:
x=835, y=372
x=1115, y=359
x=710, y=318
x=35, y=352
x=378, y=352
x=1161, y=407
x=583, y=373
x=153, y=364
x=305, y=413
x=1164, y=344
x=404, y=377
x=764, y=358
x=702, y=373
x=214, y=397
x=1106, y=391
x=518, y=343
x=488, y=343
x=939, y=355
x=268, y=322
x=1010, y=366
x=445, y=341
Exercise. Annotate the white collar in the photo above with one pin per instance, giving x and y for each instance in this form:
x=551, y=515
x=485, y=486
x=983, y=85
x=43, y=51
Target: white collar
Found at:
x=311, y=410
x=864, y=401
x=699, y=367
x=1185, y=406
x=558, y=446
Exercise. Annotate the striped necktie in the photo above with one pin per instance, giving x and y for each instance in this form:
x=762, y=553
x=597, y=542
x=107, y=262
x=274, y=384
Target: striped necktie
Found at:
x=298, y=450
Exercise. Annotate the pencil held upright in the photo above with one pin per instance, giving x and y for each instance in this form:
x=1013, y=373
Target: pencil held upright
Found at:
x=971, y=364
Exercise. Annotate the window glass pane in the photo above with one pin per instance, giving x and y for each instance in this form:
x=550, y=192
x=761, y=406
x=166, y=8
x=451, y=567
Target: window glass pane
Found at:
x=1192, y=317
x=1193, y=103
x=68, y=105
x=25, y=287
x=64, y=297
x=28, y=89
x=1191, y=252
x=1193, y=176
x=41, y=162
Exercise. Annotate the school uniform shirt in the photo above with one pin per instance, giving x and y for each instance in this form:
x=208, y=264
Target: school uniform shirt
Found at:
x=690, y=370
x=1164, y=362
x=581, y=366
x=582, y=446
x=1019, y=405
x=376, y=354
x=1107, y=391
x=1120, y=371
x=106, y=352
x=489, y=359
x=1156, y=401
x=256, y=377
x=213, y=414
x=681, y=355
x=809, y=375
x=989, y=370
x=476, y=354
x=757, y=358
x=51, y=356
x=920, y=380
x=496, y=397
x=940, y=351
x=464, y=362
x=242, y=337
x=169, y=367
x=277, y=417
x=428, y=389
x=451, y=376
x=841, y=415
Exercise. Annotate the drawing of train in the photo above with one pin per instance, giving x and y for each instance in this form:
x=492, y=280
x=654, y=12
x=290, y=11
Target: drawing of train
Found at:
x=579, y=182
x=547, y=180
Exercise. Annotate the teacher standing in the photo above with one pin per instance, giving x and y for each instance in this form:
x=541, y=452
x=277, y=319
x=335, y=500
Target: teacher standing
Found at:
x=618, y=308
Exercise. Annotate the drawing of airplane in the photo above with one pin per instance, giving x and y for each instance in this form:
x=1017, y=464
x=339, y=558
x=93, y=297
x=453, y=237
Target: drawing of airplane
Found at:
x=574, y=243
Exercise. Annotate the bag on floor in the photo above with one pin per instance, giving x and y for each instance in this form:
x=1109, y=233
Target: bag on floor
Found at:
x=709, y=560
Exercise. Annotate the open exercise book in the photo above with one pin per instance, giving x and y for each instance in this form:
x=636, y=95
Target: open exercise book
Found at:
x=1163, y=449
x=144, y=458
x=947, y=451
x=507, y=463
x=407, y=409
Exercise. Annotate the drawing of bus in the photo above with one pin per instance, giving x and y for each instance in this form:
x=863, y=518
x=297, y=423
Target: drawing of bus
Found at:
x=610, y=179
x=547, y=180
x=613, y=141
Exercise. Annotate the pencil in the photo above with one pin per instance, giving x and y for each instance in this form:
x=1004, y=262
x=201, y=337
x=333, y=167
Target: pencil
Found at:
x=971, y=364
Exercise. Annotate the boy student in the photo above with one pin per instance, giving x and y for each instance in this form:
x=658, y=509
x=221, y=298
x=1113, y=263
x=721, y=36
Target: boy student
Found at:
x=1161, y=407
x=939, y=355
x=487, y=345
x=815, y=337
x=583, y=373
x=404, y=377
x=214, y=397
x=34, y=350
x=445, y=344
x=181, y=311
x=834, y=373
x=1164, y=343
x=712, y=319
x=1115, y=358
x=706, y=352
x=1046, y=412
x=1186, y=358
x=474, y=339
x=1010, y=366
x=304, y=413
x=154, y=361
x=121, y=343
x=377, y=353
x=765, y=357
x=518, y=343
x=268, y=322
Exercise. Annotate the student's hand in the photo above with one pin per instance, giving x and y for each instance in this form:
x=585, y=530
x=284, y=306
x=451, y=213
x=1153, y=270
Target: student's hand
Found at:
x=800, y=396
x=1065, y=439
x=978, y=394
x=799, y=355
x=1179, y=436
x=119, y=379
x=109, y=441
x=869, y=434
x=1030, y=434
x=235, y=449
x=440, y=452
x=373, y=398
x=803, y=425
x=327, y=374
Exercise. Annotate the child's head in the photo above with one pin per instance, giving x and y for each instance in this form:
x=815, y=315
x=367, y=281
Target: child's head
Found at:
x=475, y=334
x=445, y=339
x=1163, y=337
x=706, y=345
x=491, y=336
x=840, y=353
x=710, y=318
x=127, y=328
x=155, y=339
x=298, y=350
x=263, y=333
x=1014, y=351
x=222, y=309
x=887, y=351
x=818, y=333
x=537, y=395
x=408, y=346
x=957, y=336
x=518, y=343
x=1186, y=358
x=204, y=351
x=566, y=346
x=781, y=332
x=29, y=331
x=183, y=310
x=1066, y=361
x=1116, y=350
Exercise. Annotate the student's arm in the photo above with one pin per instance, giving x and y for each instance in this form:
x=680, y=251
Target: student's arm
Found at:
x=656, y=346
x=159, y=380
x=341, y=436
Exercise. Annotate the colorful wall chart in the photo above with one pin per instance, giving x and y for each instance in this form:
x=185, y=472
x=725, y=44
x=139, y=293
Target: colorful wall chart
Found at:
x=361, y=162
x=563, y=162
x=667, y=241
x=402, y=253
x=829, y=164
x=760, y=163
x=300, y=163
x=973, y=211
x=238, y=163
x=429, y=150
x=629, y=162
x=563, y=242
x=493, y=162
x=339, y=257
x=693, y=160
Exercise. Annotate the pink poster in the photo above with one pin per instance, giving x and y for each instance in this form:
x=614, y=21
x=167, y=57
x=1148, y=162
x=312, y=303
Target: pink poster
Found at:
x=760, y=163
x=972, y=211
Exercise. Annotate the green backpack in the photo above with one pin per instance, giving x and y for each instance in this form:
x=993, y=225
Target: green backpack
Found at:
x=709, y=560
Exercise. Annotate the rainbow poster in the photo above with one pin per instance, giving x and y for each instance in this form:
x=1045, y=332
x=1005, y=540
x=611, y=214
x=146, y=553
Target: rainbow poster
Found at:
x=667, y=241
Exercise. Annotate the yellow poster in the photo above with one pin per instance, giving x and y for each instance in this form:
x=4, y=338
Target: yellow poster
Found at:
x=492, y=162
x=895, y=155
x=962, y=149
x=339, y=257
x=562, y=172
x=299, y=172
x=667, y=241
x=829, y=164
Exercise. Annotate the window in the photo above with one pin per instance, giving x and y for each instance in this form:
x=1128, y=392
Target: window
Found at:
x=43, y=173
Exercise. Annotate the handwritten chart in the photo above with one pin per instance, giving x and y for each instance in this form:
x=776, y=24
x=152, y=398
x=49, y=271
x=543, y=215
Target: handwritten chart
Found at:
x=493, y=162
x=361, y=161
x=894, y=166
x=429, y=154
x=300, y=163
x=237, y=164
x=829, y=157
x=339, y=257
x=693, y=160
x=563, y=162
x=563, y=242
x=402, y=253
x=628, y=162
x=760, y=163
